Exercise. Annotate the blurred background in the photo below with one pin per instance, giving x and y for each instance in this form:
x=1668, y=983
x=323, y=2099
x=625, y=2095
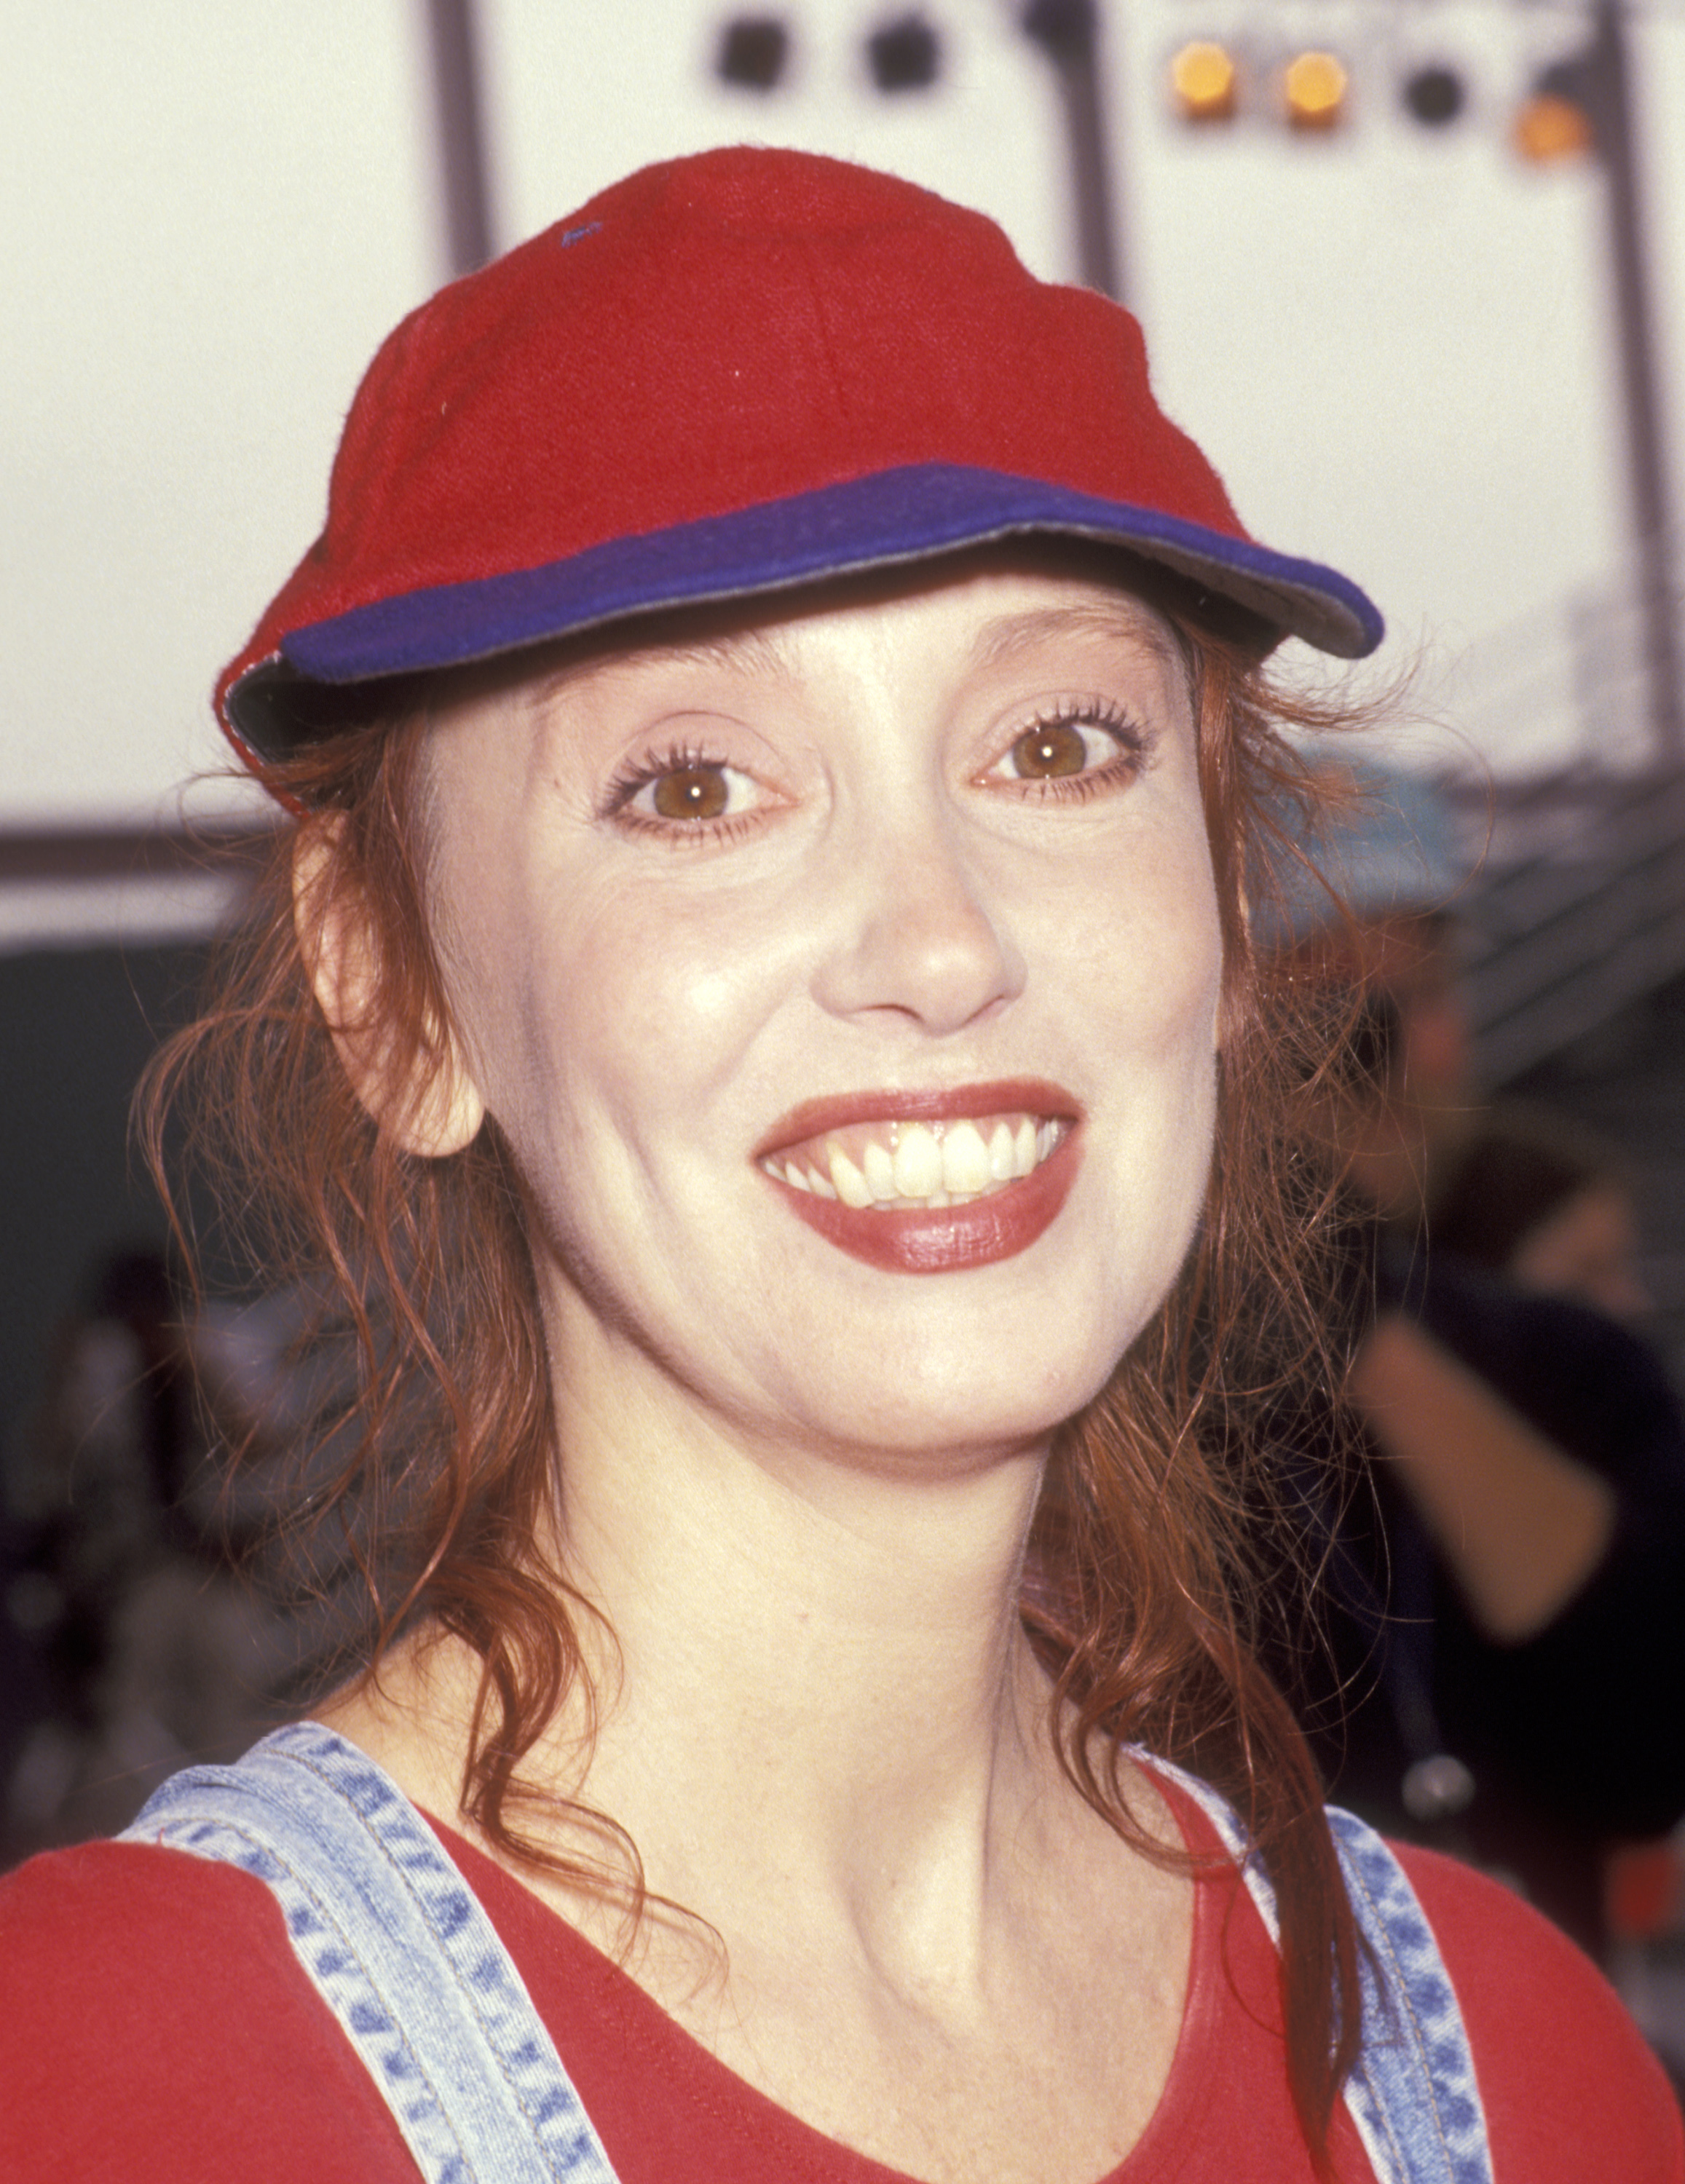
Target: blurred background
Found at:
x=1412, y=271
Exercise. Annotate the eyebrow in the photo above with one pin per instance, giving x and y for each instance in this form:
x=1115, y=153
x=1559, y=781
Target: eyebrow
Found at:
x=1002, y=642
x=735, y=650
x=996, y=645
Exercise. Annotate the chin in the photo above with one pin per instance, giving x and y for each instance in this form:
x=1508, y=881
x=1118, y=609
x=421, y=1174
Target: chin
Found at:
x=928, y=1402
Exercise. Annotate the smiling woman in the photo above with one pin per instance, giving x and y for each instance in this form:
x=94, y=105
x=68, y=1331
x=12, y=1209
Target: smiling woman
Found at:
x=755, y=1038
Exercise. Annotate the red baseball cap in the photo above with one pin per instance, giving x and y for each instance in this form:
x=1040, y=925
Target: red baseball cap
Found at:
x=725, y=376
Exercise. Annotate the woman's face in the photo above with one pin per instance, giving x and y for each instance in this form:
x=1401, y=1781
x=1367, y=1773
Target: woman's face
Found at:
x=845, y=986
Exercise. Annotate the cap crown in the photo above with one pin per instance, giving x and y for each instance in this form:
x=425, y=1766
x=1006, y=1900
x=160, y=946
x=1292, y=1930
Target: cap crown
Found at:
x=711, y=341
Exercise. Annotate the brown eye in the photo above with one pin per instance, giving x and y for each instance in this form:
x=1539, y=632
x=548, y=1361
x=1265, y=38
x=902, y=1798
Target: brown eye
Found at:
x=1049, y=749
x=692, y=792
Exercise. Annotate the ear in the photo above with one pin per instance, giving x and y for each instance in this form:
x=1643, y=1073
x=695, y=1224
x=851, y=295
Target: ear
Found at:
x=426, y=1099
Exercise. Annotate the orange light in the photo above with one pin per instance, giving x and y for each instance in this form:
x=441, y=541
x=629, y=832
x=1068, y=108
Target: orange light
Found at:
x=1315, y=88
x=1549, y=128
x=1204, y=79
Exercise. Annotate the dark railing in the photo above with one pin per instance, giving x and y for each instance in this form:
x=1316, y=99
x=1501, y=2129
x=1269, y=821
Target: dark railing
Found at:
x=1564, y=939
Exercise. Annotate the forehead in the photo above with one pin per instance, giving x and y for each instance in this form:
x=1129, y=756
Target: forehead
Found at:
x=978, y=616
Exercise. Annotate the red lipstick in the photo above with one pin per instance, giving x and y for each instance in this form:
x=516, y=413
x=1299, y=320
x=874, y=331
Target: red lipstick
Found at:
x=930, y=1239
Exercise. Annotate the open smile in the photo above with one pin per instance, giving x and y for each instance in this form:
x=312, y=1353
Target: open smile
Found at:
x=892, y=1165
x=925, y=1183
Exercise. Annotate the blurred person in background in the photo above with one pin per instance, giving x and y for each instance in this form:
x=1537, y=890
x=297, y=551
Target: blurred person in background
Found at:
x=1529, y=1194
x=135, y=1589
x=1504, y=1612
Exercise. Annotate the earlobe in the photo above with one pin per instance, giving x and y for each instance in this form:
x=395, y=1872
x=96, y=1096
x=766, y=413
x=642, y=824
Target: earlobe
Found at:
x=419, y=1089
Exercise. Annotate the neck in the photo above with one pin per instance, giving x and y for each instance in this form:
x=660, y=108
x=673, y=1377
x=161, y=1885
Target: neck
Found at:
x=818, y=1671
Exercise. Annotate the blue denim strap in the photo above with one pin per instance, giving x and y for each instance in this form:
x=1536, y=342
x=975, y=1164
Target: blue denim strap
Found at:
x=397, y=1945
x=1413, y=2093
x=400, y=1951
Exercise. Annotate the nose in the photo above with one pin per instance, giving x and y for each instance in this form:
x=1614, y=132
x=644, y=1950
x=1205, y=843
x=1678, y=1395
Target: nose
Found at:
x=917, y=939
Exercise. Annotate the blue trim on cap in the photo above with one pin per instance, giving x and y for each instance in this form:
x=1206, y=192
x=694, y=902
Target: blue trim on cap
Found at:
x=891, y=516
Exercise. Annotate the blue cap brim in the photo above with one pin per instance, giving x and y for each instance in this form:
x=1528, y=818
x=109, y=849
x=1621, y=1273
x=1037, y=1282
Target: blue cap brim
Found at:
x=892, y=516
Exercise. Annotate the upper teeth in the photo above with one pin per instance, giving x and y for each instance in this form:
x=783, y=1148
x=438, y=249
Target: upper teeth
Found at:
x=931, y=1164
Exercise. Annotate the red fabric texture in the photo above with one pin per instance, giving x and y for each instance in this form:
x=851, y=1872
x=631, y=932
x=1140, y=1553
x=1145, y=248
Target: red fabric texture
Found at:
x=154, y=2023
x=715, y=333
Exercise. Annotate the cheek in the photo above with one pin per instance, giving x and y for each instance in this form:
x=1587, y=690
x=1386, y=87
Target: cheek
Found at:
x=656, y=1007
x=1156, y=952
x=1163, y=960
x=621, y=1019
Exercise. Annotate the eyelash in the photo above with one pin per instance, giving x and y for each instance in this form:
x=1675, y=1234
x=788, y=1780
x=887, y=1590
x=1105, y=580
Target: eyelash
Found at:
x=638, y=774
x=1133, y=752
x=1133, y=749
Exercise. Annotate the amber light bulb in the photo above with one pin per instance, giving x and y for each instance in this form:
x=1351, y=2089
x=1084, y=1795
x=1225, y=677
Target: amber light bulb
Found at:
x=1204, y=79
x=1314, y=84
x=1549, y=128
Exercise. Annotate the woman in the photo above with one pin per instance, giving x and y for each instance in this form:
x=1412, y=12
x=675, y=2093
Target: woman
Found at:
x=774, y=735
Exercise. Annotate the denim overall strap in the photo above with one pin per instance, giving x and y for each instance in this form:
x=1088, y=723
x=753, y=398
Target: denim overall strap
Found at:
x=1412, y=2094
x=399, y=1948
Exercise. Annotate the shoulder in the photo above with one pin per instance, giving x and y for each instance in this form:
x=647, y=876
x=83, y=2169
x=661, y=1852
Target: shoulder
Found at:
x=1570, y=2089
x=154, y=2021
